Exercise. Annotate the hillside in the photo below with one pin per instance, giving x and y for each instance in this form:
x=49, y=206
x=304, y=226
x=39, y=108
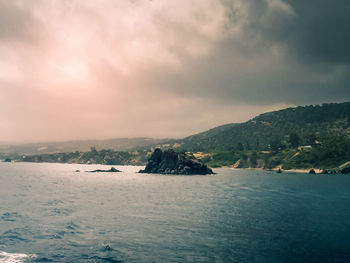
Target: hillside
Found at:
x=273, y=128
x=302, y=137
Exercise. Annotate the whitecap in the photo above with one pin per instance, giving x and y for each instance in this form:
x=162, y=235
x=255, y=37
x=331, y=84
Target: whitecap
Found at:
x=12, y=257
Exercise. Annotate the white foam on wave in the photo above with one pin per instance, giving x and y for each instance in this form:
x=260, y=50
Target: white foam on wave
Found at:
x=13, y=257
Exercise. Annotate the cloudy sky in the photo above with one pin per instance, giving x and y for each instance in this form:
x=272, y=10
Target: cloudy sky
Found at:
x=80, y=69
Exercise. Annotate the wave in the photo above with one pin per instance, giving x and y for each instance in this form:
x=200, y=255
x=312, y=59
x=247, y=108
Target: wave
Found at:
x=10, y=216
x=13, y=257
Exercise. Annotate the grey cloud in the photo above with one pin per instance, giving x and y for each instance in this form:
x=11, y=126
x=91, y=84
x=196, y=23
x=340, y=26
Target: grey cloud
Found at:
x=317, y=32
x=295, y=56
x=320, y=32
x=18, y=24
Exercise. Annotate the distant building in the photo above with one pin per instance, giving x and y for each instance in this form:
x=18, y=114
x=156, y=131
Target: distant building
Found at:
x=305, y=148
x=317, y=142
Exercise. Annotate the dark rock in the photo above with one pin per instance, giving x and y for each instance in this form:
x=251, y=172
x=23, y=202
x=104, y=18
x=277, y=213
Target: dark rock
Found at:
x=171, y=162
x=112, y=170
x=345, y=168
x=332, y=171
x=77, y=171
x=342, y=169
x=279, y=171
x=312, y=171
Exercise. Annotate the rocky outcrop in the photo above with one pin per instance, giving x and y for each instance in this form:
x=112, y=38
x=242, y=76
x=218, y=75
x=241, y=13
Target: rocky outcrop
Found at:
x=342, y=169
x=345, y=168
x=170, y=162
x=112, y=170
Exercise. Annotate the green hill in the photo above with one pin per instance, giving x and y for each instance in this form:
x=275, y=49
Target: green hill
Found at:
x=301, y=137
x=272, y=129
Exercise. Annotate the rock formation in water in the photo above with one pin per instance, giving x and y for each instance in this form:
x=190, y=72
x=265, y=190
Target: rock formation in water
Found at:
x=171, y=162
x=112, y=170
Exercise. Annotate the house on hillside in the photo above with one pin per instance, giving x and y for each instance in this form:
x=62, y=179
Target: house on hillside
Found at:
x=305, y=148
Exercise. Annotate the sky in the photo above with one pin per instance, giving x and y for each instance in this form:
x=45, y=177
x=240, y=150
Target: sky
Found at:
x=97, y=69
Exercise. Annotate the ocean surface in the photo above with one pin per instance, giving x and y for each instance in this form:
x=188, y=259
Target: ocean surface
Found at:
x=50, y=213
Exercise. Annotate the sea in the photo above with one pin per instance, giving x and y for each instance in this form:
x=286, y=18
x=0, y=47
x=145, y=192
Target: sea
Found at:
x=51, y=213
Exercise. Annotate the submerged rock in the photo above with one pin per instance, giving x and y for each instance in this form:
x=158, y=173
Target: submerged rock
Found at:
x=112, y=170
x=171, y=162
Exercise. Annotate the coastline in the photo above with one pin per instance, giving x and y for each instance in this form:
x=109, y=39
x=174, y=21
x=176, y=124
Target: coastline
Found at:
x=317, y=171
x=304, y=171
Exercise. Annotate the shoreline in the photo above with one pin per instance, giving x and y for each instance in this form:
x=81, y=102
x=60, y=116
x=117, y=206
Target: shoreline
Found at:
x=300, y=171
x=317, y=171
x=304, y=171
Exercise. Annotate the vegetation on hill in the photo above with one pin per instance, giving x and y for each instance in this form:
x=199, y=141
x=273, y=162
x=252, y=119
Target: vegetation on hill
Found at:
x=301, y=137
x=273, y=129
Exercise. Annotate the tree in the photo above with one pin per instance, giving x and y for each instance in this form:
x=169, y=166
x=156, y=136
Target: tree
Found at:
x=257, y=144
x=93, y=150
x=254, y=159
x=310, y=138
x=275, y=145
x=294, y=139
x=240, y=146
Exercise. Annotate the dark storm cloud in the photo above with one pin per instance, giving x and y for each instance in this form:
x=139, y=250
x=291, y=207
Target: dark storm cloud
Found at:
x=320, y=32
x=294, y=52
x=315, y=41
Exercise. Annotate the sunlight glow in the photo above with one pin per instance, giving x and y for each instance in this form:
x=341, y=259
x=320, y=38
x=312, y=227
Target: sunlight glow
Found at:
x=75, y=70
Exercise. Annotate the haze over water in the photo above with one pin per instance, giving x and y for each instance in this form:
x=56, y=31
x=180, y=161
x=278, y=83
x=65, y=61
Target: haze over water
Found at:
x=49, y=213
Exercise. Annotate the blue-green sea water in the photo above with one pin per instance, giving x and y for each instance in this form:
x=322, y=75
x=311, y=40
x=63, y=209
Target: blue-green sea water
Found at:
x=50, y=213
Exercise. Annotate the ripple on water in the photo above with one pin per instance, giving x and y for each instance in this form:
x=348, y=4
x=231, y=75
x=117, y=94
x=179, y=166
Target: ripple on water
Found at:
x=43, y=259
x=106, y=248
x=61, y=212
x=72, y=226
x=106, y=259
x=54, y=202
x=10, y=216
x=106, y=253
x=13, y=234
